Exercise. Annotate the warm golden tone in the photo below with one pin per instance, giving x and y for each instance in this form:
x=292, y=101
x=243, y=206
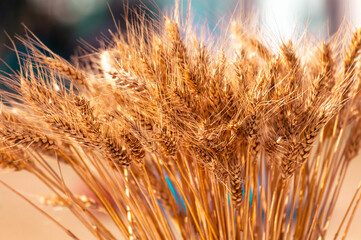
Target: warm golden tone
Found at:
x=181, y=137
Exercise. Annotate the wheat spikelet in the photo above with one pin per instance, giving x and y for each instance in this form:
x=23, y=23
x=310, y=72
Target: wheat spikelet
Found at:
x=352, y=52
x=12, y=159
x=118, y=154
x=324, y=82
x=66, y=69
x=237, y=183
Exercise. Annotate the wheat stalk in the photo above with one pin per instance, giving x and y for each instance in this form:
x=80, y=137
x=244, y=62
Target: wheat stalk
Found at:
x=178, y=137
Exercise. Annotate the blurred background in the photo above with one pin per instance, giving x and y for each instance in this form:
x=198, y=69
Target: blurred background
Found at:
x=60, y=24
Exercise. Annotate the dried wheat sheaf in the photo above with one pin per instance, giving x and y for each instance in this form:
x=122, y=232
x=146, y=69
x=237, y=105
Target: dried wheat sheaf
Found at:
x=182, y=137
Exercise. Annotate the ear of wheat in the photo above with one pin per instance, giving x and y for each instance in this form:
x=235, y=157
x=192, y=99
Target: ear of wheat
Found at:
x=180, y=137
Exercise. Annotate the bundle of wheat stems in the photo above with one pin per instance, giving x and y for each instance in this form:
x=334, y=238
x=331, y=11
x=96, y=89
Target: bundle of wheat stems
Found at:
x=182, y=137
